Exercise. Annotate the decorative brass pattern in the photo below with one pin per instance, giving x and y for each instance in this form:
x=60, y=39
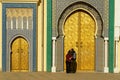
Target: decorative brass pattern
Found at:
x=19, y=55
x=24, y=53
x=71, y=34
x=15, y=55
x=79, y=30
x=87, y=51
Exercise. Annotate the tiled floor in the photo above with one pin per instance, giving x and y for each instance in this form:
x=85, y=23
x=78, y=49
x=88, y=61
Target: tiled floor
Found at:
x=58, y=76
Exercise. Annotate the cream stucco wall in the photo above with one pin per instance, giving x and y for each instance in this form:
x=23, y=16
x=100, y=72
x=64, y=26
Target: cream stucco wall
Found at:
x=45, y=34
x=40, y=37
x=42, y=18
x=0, y=36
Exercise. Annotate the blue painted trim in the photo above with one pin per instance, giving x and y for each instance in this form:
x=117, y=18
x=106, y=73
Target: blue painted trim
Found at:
x=3, y=39
x=34, y=38
x=18, y=5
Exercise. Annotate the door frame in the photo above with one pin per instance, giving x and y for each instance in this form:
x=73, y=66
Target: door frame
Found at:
x=29, y=57
x=98, y=35
x=90, y=14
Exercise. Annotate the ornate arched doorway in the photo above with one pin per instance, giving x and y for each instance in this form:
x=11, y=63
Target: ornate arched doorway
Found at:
x=19, y=55
x=79, y=32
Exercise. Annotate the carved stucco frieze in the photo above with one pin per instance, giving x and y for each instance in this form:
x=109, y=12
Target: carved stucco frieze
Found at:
x=19, y=12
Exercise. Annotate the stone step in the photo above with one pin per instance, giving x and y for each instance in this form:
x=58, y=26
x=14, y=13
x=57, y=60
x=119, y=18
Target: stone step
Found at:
x=58, y=76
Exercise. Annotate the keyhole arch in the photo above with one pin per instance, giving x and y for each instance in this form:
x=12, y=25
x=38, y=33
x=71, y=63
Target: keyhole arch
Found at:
x=79, y=33
x=19, y=56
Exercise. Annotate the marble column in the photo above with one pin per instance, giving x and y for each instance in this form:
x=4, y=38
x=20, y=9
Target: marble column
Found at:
x=106, y=70
x=53, y=54
x=117, y=33
x=116, y=57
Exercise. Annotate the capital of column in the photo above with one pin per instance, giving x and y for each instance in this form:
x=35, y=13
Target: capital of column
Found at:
x=116, y=39
x=106, y=38
x=54, y=38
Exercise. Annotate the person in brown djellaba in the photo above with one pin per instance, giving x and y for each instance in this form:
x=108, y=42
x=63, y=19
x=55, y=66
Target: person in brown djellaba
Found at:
x=71, y=64
x=68, y=62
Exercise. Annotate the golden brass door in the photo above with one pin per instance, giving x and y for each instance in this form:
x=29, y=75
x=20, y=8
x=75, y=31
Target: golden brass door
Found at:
x=19, y=55
x=79, y=31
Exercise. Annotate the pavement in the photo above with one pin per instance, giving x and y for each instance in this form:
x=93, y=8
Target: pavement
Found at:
x=58, y=76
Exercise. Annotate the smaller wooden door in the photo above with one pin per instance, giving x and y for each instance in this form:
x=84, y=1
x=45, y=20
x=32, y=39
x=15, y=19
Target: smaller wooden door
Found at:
x=19, y=55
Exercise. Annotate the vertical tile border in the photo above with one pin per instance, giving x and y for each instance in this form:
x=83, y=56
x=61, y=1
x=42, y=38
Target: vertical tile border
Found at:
x=111, y=36
x=49, y=35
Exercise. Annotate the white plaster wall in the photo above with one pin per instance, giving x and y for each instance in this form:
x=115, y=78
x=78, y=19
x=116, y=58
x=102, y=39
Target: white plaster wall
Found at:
x=117, y=24
x=0, y=36
x=117, y=12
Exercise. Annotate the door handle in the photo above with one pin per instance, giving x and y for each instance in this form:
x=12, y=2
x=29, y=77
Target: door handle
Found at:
x=76, y=44
x=81, y=44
